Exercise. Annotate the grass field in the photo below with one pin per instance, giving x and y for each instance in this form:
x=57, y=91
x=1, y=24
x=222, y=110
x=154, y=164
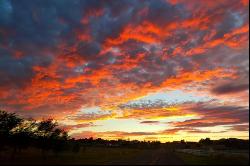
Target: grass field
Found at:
x=117, y=156
x=190, y=159
x=91, y=155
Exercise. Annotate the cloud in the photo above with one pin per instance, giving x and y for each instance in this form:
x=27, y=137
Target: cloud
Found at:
x=60, y=56
x=83, y=117
x=111, y=134
x=215, y=114
x=229, y=88
x=149, y=122
x=243, y=127
x=144, y=135
x=189, y=130
x=77, y=126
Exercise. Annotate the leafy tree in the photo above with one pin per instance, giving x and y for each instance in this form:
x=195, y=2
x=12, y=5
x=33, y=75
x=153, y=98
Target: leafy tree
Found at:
x=51, y=137
x=24, y=134
x=46, y=127
x=59, y=138
x=206, y=141
x=8, y=121
x=183, y=141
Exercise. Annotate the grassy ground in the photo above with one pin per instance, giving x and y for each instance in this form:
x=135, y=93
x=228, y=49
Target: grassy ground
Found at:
x=117, y=156
x=91, y=155
x=190, y=159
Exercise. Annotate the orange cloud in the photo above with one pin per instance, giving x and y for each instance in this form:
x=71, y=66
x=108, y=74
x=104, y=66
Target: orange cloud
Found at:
x=146, y=32
x=196, y=76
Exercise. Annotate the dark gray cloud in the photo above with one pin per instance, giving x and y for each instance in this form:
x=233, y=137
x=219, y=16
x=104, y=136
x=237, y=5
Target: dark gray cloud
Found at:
x=230, y=88
x=149, y=122
x=187, y=129
x=17, y=73
x=214, y=114
x=243, y=127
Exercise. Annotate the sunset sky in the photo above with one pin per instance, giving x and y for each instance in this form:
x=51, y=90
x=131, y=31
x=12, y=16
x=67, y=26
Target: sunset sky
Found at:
x=133, y=69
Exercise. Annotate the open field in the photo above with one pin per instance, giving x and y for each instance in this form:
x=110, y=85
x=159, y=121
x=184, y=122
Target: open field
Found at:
x=117, y=156
x=89, y=155
x=215, y=159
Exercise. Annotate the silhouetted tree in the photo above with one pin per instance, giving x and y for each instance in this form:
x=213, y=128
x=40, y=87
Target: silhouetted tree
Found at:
x=58, y=138
x=8, y=121
x=24, y=134
x=51, y=137
x=206, y=141
x=46, y=127
x=183, y=141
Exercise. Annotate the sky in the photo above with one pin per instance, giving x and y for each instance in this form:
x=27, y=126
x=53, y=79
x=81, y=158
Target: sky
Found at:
x=149, y=70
